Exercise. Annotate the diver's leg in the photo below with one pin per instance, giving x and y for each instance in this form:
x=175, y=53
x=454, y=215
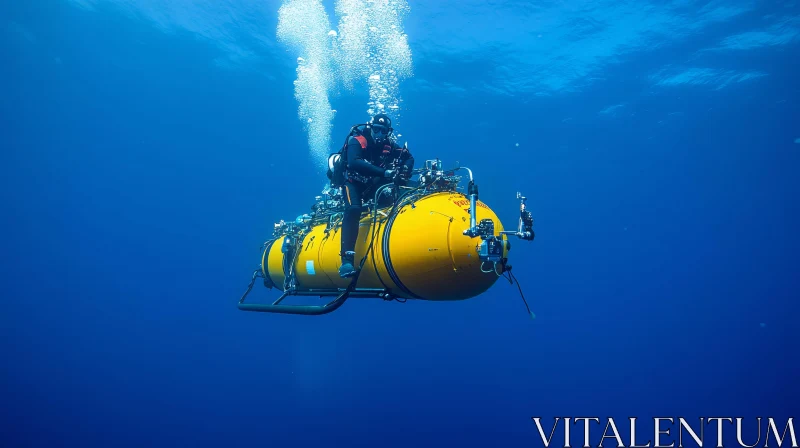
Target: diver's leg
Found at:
x=352, y=214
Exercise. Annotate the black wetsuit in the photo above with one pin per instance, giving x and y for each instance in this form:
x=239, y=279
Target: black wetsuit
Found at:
x=365, y=174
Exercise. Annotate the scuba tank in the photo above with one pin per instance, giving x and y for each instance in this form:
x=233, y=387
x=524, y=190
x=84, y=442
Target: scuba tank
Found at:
x=336, y=168
x=337, y=161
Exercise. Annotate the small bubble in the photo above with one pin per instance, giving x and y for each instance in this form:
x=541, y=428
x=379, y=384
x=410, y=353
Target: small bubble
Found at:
x=517, y=144
x=797, y=140
x=763, y=324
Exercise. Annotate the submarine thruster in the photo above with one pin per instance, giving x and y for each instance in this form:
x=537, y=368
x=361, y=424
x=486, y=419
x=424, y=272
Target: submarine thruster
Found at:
x=426, y=240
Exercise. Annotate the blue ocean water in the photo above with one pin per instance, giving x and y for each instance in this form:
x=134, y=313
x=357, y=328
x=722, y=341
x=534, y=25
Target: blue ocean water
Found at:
x=148, y=147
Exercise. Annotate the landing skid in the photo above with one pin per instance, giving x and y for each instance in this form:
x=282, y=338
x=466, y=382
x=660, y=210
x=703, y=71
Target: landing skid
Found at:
x=340, y=294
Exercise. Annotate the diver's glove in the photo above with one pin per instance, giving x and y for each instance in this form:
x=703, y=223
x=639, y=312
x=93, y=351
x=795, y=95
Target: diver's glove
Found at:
x=405, y=172
x=389, y=173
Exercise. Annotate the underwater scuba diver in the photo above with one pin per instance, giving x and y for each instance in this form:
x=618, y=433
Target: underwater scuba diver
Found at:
x=373, y=160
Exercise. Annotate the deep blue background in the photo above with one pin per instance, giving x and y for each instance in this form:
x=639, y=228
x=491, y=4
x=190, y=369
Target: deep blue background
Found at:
x=138, y=182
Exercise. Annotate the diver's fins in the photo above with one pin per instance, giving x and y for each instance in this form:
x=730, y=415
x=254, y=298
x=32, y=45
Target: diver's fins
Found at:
x=347, y=269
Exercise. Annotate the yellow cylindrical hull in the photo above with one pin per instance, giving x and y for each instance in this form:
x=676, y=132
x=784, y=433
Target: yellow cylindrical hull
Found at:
x=420, y=252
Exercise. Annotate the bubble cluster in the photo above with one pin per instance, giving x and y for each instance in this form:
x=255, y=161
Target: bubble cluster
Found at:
x=373, y=46
x=370, y=47
x=303, y=25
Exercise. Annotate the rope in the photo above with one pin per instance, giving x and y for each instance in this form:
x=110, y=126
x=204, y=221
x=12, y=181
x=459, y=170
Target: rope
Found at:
x=511, y=274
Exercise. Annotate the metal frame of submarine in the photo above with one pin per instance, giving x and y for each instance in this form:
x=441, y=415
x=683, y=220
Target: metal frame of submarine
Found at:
x=426, y=240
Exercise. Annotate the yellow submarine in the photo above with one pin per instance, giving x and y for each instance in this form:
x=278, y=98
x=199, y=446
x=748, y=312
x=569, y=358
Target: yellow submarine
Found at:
x=422, y=239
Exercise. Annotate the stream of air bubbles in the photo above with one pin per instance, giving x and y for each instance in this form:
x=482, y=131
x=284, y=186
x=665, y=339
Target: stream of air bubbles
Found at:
x=369, y=50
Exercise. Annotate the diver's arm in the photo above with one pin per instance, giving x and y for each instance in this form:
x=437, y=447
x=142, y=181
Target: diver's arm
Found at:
x=409, y=163
x=406, y=159
x=356, y=162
